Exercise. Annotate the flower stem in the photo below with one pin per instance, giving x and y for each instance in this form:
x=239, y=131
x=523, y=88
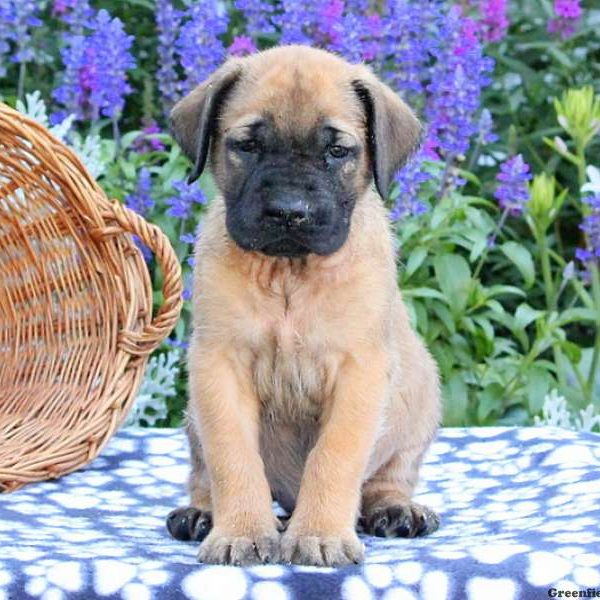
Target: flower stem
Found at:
x=116, y=136
x=21, y=82
x=595, y=276
x=596, y=351
x=546, y=272
x=490, y=244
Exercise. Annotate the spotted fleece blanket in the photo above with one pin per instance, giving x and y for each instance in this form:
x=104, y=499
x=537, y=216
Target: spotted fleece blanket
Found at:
x=520, y=513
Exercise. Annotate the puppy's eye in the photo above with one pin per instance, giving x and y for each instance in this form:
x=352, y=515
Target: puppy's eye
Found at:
x=338, y=151
x=249, y=145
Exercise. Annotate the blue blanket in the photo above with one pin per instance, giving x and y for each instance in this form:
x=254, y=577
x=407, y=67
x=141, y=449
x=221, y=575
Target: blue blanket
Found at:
x=520, y=515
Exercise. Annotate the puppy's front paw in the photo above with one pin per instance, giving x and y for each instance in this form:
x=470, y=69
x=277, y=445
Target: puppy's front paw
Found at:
x=222, y=548
x=321, y=551
x=189, y=523
x=401, y=520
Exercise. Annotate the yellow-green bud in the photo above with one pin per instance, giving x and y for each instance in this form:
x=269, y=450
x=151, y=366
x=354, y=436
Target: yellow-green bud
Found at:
x=543, y=205
x=578, y=113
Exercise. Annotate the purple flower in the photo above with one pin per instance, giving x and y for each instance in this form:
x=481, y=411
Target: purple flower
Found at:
x=142, y=203
x=180, y=205
x=591, y=227
x=241, y=45
x=512, y=192
x=494, y=19
x=168, y=22
x=258, y=15
x=4, y=35
x=413, y=33
x=568, y=13
x=144, y=142
x=181, y=344
x=568, y=9
x=60, y=7
x=188, y=287
x=372, y=32
x=409, y=181
x=18, y=17
x=486, y=128
x=141, y=200
x=188, y=238
x=94, y=81
x=297, y=21
x=330, y=26
x=76, y=13
x=454, y=93
x=198, y=43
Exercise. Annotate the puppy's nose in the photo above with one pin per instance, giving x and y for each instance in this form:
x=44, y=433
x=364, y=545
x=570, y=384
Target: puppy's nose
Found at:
x=287, y=210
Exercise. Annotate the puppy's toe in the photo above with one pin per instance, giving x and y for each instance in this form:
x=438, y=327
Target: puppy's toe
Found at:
x=220, y=549
x=402, y=520
x=189, y=523
x=321, y=551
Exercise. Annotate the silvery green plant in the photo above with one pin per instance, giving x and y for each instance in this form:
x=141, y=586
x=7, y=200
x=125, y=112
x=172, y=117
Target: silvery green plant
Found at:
x=158, y=386
x=88, y=147
x=556, y=413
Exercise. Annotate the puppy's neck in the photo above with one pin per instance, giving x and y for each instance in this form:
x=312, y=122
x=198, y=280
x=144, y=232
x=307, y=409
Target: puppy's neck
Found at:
x=283, y=276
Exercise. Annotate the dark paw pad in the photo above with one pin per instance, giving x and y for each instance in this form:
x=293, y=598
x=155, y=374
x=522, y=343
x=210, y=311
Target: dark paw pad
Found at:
x=410, y=520
x=189, y=523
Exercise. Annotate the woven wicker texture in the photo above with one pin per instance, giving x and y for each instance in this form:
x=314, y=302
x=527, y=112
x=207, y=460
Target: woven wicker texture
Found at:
x=76, y=323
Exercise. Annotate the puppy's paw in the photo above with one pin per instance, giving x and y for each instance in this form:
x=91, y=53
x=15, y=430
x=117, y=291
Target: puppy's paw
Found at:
x=189, y=523
x=321, y=551
x=401, y=520
x=221, y=548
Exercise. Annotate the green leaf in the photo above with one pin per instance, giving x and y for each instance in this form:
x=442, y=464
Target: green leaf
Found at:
x=444, y=315
x=454, y=277
x=525, y=315
x=521, y=258
x=515, y=416
x=502, y=290
x=573, y=351
x=560, y=56
x=415, y=260
x=539, y=382
x=479, y=245
x=422, y=318
x=128, y=170
x=456, y=400
x=485, y=326
x=571, y=315
x=490, y=401
x=423, y=292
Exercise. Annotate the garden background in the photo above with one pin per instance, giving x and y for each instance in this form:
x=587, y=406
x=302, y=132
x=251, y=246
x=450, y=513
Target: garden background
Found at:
x=497, y=216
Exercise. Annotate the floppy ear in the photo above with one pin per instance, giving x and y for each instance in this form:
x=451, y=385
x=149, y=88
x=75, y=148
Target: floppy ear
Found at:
x=393, y=131
x=192, y=120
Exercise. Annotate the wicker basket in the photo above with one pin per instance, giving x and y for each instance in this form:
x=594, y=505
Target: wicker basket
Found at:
x=76, y=322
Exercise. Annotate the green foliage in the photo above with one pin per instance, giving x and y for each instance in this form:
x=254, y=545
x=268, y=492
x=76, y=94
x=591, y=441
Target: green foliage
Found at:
x=501, y=301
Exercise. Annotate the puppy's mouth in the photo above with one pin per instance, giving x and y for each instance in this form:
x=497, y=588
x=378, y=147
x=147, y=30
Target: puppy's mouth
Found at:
x=285, y=247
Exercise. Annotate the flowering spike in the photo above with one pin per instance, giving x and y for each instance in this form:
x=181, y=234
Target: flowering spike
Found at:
x=512, y=193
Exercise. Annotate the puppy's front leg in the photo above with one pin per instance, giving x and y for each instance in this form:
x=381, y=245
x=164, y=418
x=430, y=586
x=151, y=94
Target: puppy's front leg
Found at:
x=227, y=414
x=322, y=528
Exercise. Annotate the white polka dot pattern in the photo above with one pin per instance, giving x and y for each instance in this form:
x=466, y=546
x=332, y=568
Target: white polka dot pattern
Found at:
x=520, y=513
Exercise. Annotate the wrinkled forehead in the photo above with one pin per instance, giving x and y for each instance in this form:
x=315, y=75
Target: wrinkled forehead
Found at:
x=296, y=99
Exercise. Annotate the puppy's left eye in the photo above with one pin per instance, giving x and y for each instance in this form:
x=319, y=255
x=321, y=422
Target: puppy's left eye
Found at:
x=249, y=145
x=338, y=151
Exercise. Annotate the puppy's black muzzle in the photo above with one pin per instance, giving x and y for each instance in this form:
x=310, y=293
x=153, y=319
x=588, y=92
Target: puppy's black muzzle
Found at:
x=287, y=211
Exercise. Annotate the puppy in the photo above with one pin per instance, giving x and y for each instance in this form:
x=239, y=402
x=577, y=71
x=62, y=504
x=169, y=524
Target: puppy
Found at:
x=307, y=383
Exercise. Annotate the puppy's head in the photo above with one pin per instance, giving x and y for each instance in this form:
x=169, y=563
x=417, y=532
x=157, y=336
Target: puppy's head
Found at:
x=295, y=136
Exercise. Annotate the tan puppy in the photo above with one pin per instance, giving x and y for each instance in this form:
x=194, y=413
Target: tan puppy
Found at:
x=307, y=383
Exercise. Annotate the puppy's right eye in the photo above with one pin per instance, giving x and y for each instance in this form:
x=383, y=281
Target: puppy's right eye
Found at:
x=338, y=151
x=248, y=145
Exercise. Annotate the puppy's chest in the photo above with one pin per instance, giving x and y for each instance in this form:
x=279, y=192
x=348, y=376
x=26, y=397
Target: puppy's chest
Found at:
x=293, y=370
